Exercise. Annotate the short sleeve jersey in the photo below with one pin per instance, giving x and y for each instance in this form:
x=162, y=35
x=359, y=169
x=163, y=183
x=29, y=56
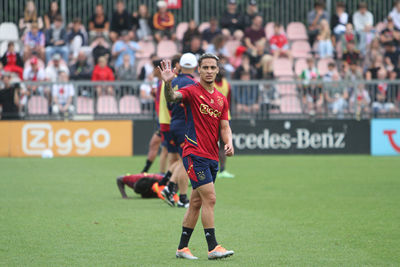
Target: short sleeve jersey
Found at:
x=204, y=111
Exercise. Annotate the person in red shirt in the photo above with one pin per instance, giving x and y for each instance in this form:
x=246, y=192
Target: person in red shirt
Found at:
x=102, y=72
x=12, y=61
x=163, y=22
x=278, y=43
x=206, y=112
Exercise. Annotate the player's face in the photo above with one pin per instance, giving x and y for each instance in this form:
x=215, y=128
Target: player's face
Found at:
x=208, y=70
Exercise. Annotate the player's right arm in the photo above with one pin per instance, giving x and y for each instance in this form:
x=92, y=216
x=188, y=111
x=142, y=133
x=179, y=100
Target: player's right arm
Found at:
x=121, y=187
x=167, y=74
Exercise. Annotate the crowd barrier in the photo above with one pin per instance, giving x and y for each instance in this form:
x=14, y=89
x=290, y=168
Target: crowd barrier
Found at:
x=284, y=11
x=263, y=99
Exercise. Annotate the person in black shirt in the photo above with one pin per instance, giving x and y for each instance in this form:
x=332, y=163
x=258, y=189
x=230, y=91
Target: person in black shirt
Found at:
x=252, y=11
x=230, y=19
x=51, y=15
x=99, y=24
x=210, y=33
x=9, y=98
x=121, y=20
x=195, y=47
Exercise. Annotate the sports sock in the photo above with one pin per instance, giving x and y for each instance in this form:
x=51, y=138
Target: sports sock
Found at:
x=182, y=198
x=148, y=165
x=210, y=237
x=165, y=179
x=222, y=168
x=172, y=187
x=185, y=237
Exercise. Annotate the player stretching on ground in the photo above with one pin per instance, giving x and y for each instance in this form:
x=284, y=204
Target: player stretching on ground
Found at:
x=206, y=113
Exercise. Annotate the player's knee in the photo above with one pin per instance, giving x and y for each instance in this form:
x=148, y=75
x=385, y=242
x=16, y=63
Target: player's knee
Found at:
x=211, y=199
x=196, y=203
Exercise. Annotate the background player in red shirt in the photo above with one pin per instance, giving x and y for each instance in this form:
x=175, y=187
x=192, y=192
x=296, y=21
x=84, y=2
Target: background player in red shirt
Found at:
x=206, y=114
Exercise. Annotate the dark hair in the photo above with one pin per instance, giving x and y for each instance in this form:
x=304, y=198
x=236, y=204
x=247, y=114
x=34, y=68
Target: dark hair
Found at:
x=319, y=4
x=362, y=5
x=58, y=18
x=175, y=59
x=77, y=20
x=10, y=44
x=143, y=187
x=341, y=4
x=207, y=55
x=157, y=63
x=277, y=24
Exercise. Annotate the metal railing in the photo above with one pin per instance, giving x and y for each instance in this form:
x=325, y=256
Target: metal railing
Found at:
x=283, y=11
x=249, y=100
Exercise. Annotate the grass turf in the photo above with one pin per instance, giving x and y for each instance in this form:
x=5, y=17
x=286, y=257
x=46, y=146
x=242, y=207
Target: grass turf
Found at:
x=278, y=211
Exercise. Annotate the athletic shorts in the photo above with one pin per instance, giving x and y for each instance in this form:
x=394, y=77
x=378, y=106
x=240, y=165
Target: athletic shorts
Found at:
x=179, y=139
x=169, y=142
x=200, y=170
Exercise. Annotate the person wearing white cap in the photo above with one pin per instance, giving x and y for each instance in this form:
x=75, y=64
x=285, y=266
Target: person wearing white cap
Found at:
x=187, y=65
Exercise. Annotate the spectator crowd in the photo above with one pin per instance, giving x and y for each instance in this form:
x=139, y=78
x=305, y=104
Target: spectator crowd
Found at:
x=335, y=48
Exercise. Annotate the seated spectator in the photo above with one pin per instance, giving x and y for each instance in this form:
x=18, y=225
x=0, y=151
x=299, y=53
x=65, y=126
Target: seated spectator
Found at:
x=278, y=43
x=254, y=33
x=9, y=98
x=210, y=33
x=56, y=40
x=390, y=33
x=62, y=95
x=34, y=73
x=142, y=23
x=351, y=55
x=120, y=21
x=147, y=68
x=325, y=46
x=193, y=30
x=374, y=49
x=100, y=48
x=102, y=72
x=339, y=20
x=246, y=96
x=314, y=18
x=395, y=15
x=51, y=15
x=82, y=69
x=349, y=36
x=12, y=61
x=230, y=19
x=226, y=66
x=391, y=56
x=359, y=101
x=77, y=38
x=335, y=96
x=313, y=99
x=353, y=73
x=98, y=24
x=382, y=96
x=251, y=11
x=126, y=71
x=54, y=67
x=34, y=42
x=270, y=98
x=217, y=47
x=263, y=62
x=363, y=21
x=377, y=65
x=195, y=47
x=125, y=46
x=30, y=16
x=163, y=22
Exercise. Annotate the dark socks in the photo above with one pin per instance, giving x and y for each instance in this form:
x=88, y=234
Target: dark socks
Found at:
x=185, y=237
x=182, y=198
x=221, y=168
x=172, y=187
x=210, y=236
x=148, y=165
x=165, y=179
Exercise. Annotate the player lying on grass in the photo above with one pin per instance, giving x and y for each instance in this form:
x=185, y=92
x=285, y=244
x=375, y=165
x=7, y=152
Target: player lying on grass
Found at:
x=207, y=116
x=148, y=185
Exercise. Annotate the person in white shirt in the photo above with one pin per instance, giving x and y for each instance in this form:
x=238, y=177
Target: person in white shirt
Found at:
x=63, y=94
x=55, y=66
x=395, y=15
x=363, y=22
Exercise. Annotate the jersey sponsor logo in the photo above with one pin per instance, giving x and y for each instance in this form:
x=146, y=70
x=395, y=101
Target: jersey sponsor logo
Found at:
x=205, y=109
x=202, y=97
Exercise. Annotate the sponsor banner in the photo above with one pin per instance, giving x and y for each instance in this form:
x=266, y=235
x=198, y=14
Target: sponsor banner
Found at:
x=385, y=137
x=301, y=137
x=174, y=4
x=85, y=138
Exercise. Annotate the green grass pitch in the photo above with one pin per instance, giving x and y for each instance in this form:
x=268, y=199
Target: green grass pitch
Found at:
x=278, y=211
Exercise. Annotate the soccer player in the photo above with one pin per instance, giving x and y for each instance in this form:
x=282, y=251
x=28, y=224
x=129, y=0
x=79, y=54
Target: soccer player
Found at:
x=223, y=86
x=187, y=65
x=206, y=113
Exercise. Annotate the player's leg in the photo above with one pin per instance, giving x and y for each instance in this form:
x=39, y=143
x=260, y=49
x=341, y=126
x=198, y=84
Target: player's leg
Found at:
x=163, y=159
x=170, y=190
x=188, y=225
x=154, y=146
x=182, y=179
x=222, y=161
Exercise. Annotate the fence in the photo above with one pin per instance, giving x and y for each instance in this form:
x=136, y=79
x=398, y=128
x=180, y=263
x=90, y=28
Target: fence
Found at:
x=250, y=100
x=283, y=11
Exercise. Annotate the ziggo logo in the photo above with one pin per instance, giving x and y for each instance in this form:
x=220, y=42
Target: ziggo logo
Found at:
x=36, y=137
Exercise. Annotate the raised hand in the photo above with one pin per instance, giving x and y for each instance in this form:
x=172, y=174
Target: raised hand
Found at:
x=167, y=74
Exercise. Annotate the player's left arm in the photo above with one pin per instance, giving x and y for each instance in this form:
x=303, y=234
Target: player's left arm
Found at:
x=121, y=187
x=226, y=135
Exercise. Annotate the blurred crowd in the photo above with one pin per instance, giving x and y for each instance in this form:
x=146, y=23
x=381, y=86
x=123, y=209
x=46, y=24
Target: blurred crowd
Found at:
x=338, y=47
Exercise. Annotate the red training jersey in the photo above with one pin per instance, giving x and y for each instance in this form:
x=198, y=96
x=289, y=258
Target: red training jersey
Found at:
x=130, y=180
x=278, y=40
x=204, y=111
